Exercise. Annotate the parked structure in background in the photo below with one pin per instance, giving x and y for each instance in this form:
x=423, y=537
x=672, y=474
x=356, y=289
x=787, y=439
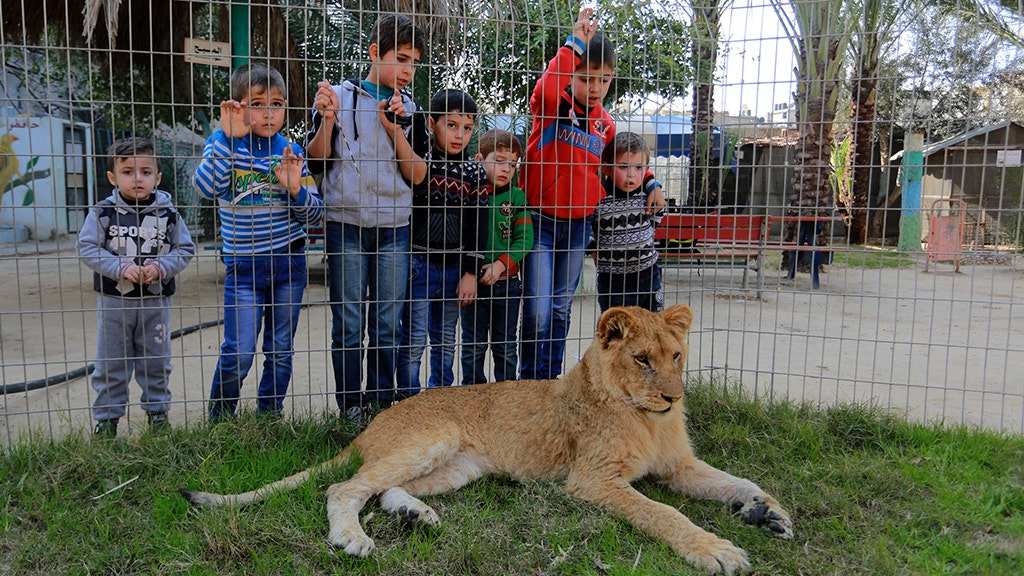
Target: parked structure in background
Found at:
x=984, y=168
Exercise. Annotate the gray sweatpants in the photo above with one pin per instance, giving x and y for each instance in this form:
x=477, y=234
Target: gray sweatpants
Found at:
x=134, y=336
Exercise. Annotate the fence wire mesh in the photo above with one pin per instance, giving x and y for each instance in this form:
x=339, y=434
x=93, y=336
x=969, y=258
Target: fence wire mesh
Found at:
x=821, y=135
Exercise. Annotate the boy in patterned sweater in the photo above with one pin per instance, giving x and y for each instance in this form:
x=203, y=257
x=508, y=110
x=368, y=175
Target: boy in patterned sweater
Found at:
x=448, y=235
x=494, y=317
x=136, y=243
x=267, y=198
x=623, y=230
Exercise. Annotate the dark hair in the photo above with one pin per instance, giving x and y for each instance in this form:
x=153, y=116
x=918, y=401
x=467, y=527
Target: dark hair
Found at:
x=496, y=140
x=392, y=31
x=625, y=143
x=449, y=101
x=599, y=53
x=256, y=75
x=128, y=147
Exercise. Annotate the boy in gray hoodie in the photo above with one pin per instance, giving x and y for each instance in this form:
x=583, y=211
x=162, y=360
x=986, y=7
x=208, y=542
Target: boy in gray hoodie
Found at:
x=135, y=242
x=370, y=147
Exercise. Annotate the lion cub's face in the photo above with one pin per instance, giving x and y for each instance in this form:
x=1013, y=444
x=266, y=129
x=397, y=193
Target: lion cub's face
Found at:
x=643, y=354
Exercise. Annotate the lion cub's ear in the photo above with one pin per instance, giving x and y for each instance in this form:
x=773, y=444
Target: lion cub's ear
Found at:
x=680, y=316
x=616, y=324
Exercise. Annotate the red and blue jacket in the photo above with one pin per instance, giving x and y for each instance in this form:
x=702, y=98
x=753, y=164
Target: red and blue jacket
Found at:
x=563, y=151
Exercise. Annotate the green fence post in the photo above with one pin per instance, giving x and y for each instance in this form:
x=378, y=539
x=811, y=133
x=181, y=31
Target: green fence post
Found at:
x=239, y=33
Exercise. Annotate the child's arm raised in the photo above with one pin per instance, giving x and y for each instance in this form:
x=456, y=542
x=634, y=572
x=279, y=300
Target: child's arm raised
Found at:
x=307, y=206
x=212, y=179
x=548, y=92
x=325, y=104
x=412, y=166
x=233, y=120
x=655, y=195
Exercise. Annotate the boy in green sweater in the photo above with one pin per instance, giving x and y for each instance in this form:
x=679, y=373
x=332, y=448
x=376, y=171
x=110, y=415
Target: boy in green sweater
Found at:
x=494, y=316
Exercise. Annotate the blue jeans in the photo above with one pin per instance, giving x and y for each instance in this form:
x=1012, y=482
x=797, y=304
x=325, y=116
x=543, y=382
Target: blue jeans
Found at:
x=368, y=273
x=261, y=292
x=432, y=310
x=493, y=319
x=551, y=272
x=641, y=289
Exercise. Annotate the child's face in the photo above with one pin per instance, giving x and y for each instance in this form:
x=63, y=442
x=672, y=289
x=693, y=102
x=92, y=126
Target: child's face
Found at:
x=451, y=131
x=135, y=176
x=499, y=165
x=590, y=85
x=628, y=171
x=265, y=110
x=394, y=69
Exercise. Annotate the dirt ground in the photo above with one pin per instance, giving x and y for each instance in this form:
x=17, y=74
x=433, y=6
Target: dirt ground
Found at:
x=935, y=346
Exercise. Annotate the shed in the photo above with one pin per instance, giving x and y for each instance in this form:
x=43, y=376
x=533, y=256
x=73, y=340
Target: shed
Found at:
x=982, y=167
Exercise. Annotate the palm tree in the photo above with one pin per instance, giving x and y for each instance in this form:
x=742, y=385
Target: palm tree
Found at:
x=877, y=19
x=873, y=31
x=819, y=33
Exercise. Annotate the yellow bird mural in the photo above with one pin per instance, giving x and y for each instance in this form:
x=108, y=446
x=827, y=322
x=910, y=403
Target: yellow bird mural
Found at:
x=8, y=161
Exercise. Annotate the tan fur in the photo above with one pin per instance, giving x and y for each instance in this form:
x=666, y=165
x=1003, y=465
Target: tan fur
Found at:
x=616, y=417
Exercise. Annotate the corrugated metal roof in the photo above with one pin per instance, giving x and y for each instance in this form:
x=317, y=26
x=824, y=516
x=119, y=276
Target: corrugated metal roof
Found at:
x=932, y=148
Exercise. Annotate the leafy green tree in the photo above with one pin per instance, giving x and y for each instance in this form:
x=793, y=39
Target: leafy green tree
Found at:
x=508, y=45
x=878, y=24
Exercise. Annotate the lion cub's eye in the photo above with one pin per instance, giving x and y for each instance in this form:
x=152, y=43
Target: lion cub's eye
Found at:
x=677, y=357
x=642, y=360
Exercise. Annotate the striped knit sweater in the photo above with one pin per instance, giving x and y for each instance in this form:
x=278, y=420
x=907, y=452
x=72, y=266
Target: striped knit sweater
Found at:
x=257, y=214
x=623, y=232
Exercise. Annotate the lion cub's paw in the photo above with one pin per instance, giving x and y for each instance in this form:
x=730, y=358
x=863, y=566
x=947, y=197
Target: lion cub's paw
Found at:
x=418, y=515
x=411, y=509
x=352, y=542
x=720, y=557
x=766, y=511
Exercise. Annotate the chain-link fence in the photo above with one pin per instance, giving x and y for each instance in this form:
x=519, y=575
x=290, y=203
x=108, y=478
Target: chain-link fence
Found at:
x=807, y=133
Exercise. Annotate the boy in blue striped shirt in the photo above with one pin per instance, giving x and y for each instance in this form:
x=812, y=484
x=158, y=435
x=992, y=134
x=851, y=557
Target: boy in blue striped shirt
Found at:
x=267, y=198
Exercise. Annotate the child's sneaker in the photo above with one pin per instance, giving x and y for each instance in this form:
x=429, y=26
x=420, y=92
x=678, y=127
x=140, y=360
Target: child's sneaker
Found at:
x=158, y=422
x=105, y=429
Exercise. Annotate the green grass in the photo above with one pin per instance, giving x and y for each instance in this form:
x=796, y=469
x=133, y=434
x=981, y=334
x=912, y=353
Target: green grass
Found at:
x=868, y=257
x=868, y=493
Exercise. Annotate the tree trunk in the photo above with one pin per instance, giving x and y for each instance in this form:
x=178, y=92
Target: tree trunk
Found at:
x=855, y=207
x=705, y=189
x=811, y=194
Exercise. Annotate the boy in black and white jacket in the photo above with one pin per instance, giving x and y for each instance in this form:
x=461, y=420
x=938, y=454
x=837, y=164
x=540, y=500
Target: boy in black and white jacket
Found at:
x=449, y=239
x=623, y=229
x=136, y=243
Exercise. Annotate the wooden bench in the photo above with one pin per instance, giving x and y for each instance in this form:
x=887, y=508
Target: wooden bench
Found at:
x=712, y=241
x=733, y=241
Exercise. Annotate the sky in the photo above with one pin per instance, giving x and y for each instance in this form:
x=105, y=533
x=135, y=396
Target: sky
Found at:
x=756, y=60
x=755, y=63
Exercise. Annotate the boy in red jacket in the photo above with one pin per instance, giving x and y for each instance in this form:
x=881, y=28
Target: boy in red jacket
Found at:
x=560, y=177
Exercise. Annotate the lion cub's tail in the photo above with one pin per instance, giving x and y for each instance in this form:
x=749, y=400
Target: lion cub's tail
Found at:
x=285, y=484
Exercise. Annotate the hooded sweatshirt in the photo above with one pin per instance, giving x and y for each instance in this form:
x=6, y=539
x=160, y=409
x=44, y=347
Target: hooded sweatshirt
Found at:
x=117, y=234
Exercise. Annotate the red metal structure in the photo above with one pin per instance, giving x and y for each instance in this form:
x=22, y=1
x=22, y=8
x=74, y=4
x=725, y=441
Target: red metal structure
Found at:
x=946, y=231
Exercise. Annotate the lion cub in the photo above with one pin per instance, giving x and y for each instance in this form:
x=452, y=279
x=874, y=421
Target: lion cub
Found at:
x=616, y=417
